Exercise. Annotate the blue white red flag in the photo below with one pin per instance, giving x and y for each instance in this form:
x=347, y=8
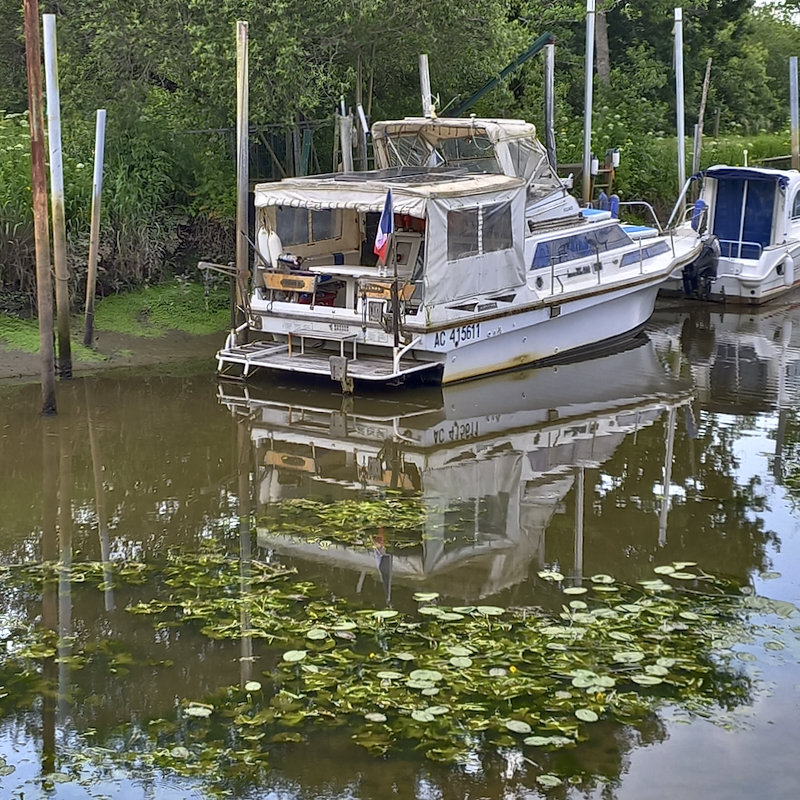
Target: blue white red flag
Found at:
x=385, y=229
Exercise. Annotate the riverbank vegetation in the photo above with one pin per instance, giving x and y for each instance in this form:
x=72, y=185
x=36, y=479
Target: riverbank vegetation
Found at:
x=166, y=75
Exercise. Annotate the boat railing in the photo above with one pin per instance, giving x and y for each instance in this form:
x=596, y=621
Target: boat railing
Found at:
x=645, y=205
x=739, y=248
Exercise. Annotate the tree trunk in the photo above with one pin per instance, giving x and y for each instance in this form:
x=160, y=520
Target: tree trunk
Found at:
x=601, y=48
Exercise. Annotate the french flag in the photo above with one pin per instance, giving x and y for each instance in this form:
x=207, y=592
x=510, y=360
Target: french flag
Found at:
x=385, y=229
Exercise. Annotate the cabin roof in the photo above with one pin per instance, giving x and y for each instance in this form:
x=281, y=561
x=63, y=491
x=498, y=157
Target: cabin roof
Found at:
x=367, y=191
x=495, y=129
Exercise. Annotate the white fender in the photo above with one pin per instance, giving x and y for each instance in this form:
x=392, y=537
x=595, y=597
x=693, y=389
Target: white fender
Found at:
x=788, y=271
x=262, y=240
x=275, y=248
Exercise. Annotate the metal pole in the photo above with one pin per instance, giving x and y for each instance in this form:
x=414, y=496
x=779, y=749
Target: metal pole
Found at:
x=793, y=106
x=587, y=110
x=550, y=103
x=242, y=166
x=41, y=224
x=363, y=129
x=57, y=196
x=94, y=228
x=425, y=85
x=681, y=123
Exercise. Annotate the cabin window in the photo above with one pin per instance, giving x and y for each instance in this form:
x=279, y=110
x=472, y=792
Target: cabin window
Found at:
x=796, y=206
x=474, y=231
x=579, y=245
x=302, y=226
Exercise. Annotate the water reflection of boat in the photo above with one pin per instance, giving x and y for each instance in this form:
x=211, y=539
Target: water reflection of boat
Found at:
x=491, y=461
x=740, y=362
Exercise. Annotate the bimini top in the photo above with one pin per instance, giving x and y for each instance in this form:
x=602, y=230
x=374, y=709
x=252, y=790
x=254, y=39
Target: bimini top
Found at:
x=362, y=192
x=496, y=130
x=722, y=171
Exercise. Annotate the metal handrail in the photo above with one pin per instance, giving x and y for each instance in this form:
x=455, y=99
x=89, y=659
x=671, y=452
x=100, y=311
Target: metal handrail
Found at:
x=648, y=207
x=739, y=243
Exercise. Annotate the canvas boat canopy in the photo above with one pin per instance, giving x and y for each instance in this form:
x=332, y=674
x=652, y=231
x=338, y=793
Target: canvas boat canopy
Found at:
x=474, y=223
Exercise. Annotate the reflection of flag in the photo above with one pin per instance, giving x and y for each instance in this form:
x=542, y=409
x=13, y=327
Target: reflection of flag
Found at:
x=385, y=229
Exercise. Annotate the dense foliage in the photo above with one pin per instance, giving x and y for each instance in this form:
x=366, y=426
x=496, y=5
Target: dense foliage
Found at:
x=166, y=74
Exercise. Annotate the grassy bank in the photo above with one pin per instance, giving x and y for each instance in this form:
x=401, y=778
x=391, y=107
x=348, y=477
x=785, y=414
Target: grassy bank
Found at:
x=148, y=313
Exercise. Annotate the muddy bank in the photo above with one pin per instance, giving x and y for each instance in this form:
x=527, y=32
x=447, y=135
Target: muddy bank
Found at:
x=118, y=350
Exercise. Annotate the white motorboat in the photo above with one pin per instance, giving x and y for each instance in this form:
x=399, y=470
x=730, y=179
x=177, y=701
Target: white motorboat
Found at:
x=492, y=265
x=750, y=219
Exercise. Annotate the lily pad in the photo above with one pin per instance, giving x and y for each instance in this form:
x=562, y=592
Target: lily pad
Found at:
x=198, y=711
x=375, y=716
x=425, y=597
x=252, y=686
x=344, y=625
x=550, y=575
x=586, y=715
x=498, y=672
x=456, y=650
x=450, y=616
x=518, y=726
x=775, y=644
x=317, y=634
x=462, y=662
x=548, y=780
x=577, y=604
x=601, y=578
x=390, y=675
x=422, y=715
x=683, y=576
x=647, y=680
x=385, y=613
x=769, y=576
x=431, y=611
x=664, y=569
x=426, y=675
x=629, y=656
x=293, y=656
x=490, y=611
x=575, y=590
x=746, y=657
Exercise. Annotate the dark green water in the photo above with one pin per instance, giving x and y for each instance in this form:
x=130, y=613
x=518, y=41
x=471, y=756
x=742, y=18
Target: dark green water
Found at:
x=560, y=468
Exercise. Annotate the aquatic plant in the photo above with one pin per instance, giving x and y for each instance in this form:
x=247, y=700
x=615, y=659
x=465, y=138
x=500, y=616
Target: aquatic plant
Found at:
x=450, y=681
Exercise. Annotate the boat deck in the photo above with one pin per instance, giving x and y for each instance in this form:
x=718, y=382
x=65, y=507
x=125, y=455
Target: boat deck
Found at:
x=316, y=361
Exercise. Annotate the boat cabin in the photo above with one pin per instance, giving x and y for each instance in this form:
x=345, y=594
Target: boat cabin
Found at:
x=749, y=209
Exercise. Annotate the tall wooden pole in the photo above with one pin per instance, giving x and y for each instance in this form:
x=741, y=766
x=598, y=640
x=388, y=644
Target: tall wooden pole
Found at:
x=242, y=166
x=587, y=104
x=57, y=196
x=41, y=225
x=701, y=119
x=94, y=227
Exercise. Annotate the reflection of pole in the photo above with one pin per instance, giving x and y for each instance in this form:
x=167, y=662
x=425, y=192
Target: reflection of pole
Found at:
x=65, y=565
x=100, y=497
x=580, y=489
x=49, y=596
x=662, y=523
x=245, y=555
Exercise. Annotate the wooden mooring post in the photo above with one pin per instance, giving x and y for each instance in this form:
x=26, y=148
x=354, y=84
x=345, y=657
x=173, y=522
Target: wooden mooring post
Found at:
x=94, y=228
x=41, y=225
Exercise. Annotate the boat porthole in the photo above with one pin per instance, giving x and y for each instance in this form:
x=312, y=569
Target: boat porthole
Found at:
x=539, y=282
x=524, y=339
x=779, y=268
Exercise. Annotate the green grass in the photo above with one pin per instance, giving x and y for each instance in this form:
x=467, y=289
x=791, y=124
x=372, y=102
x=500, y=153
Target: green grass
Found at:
x=147, y=312
x=153, y=311
x=19, y=334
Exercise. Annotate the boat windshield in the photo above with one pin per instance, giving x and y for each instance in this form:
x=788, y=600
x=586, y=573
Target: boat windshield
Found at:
x=473, y=152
